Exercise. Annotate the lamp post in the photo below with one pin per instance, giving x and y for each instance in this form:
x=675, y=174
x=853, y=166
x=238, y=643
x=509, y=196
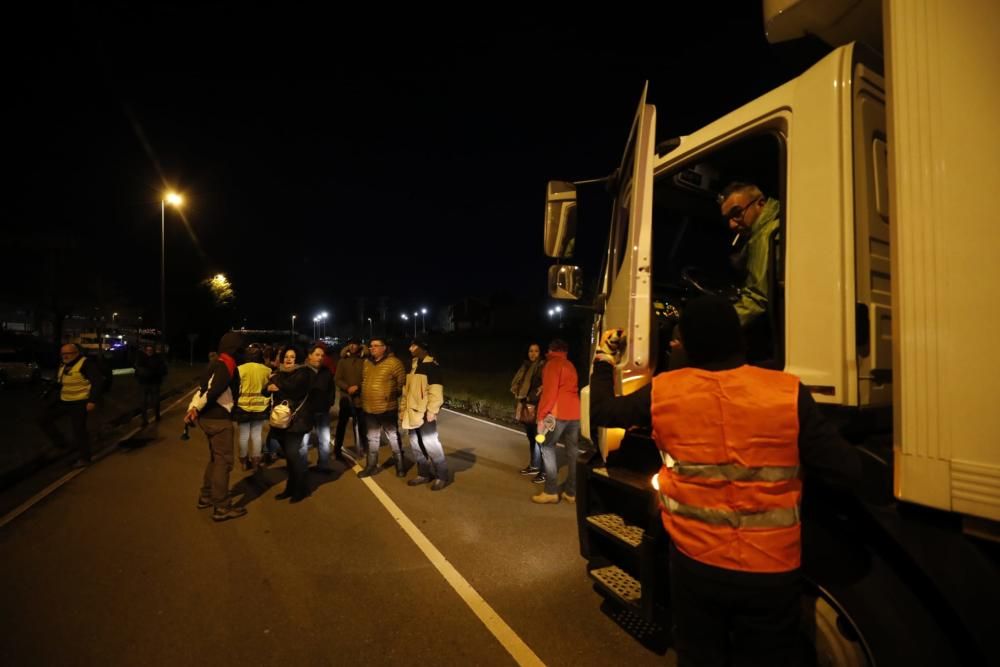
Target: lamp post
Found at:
x=405, y=319
x=292, y=330
x=174, y=200
x=415, y=314
x=322, y=323
x=371, y=328
x=423, y=320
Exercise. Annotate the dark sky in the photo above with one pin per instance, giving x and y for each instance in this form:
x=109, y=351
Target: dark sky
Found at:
x=325, y=155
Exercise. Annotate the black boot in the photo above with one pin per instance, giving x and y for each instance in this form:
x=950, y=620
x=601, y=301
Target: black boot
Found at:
x=372, y=468
x=400, y=467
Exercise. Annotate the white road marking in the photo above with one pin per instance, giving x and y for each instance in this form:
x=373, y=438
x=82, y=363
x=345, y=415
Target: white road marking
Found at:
x=506, y=428
x=514, y=645
x=483, y=421
x=51, y=488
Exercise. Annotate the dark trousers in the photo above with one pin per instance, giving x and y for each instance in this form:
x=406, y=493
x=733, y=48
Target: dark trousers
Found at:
x=348, y=411
x=150, y=399
x=296, y=462
x=215, y=485
x=747, y=619
x=76, y=411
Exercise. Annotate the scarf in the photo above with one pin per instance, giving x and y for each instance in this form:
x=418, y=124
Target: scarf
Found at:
x=522, y=379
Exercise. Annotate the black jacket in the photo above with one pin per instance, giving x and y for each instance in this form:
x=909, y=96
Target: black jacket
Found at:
x=323, y=392
x=218, y=391
x=150, y=370
x=293, y=386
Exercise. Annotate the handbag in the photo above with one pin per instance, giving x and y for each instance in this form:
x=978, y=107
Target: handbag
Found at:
x=527, y=413
x=282, y=415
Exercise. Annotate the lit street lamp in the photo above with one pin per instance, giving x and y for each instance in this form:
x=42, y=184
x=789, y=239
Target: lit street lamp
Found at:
x=371, y=328
x=292, y=330
x=174, y=200
x=423, y=320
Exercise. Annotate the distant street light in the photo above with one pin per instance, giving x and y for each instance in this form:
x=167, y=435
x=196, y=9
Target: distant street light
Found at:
x=174, y=200
x=292, y=330
x=371, y=328
x=423, y=320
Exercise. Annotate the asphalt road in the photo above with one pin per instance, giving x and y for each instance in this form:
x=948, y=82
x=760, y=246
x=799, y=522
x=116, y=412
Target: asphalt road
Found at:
x=118, y=567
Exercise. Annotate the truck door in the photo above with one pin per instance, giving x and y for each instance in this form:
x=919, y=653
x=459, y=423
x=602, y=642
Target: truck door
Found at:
x=629, y=304
x=871, y=219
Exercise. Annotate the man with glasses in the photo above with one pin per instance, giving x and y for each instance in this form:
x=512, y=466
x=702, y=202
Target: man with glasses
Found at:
x=754, y=218
x=381, y=384
x=80, y=385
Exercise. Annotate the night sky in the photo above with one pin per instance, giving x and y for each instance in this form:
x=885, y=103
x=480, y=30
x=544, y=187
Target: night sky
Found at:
x=325, y=155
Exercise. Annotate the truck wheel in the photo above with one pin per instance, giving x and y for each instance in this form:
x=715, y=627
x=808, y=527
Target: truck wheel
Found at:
x=859, y=612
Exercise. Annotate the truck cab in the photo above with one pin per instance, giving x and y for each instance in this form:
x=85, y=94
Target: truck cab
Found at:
x=862, y=309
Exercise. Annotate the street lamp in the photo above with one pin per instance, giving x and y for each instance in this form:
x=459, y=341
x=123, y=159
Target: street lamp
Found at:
x=322, y=320
x=371, y=328
x=315, y=322
x=292, y=330
x=174, y=200
x=423, y=320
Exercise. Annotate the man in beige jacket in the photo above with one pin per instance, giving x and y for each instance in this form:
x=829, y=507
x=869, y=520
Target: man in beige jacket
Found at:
x=423, y=397
x=381, y=385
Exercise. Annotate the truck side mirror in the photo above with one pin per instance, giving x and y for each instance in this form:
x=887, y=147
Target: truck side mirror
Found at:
x=560, y=219
x=565, y=282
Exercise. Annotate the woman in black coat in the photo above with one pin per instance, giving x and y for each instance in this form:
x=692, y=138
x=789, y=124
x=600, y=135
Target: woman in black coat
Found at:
x=292, y=383
x=527, y=388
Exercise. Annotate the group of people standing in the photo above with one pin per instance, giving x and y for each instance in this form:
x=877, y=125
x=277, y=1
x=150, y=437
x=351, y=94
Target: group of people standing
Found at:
x=294, y=392
x=548, y=404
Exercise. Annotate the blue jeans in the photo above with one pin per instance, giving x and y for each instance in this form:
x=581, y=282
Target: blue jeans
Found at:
x=376, y=425
x=569, y=432
x=250, y=433
x=322, y=430
x=427, y=449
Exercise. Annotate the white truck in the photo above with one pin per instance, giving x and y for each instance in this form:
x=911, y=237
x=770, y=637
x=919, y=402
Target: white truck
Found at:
x=883, y=301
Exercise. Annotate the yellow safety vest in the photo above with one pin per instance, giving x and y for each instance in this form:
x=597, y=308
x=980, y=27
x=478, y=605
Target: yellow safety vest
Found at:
x=253, y=377
x=75, y=386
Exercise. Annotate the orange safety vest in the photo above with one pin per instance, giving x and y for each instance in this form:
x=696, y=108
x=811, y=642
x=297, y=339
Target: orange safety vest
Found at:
x=729, y=486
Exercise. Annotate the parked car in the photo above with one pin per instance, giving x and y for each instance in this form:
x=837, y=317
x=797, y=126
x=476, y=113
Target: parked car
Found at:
x=17, y=366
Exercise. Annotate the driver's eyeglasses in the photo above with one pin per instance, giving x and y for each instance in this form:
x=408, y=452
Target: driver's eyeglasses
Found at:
x=737, y=212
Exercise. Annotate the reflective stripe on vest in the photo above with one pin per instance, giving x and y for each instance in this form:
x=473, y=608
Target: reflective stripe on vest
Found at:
x=253, y=377
x=733, y=472
x=75, y=385
x=730, y=486
x=775, y=518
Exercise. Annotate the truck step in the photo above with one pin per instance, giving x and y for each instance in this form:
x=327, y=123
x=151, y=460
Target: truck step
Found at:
x=615, y=526
x=618, y=583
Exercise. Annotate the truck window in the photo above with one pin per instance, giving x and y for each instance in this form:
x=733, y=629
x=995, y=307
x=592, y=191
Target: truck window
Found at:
x=695, y=251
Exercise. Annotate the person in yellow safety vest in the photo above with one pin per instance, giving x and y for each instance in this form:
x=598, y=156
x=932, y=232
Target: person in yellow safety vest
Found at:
x=252, y=407
x=79, y=382
x=732, y=438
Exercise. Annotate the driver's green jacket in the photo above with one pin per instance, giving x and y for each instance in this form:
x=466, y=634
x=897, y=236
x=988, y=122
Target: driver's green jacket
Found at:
x=753, y=296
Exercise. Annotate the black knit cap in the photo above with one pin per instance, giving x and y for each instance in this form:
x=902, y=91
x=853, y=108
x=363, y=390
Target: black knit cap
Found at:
x=231, y=343
x=422, y=344
x=711, y=331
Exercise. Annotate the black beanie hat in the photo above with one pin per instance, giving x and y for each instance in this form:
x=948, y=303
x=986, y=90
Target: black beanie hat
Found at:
x=711, y=331
x=231, y=343
x=422, y=344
